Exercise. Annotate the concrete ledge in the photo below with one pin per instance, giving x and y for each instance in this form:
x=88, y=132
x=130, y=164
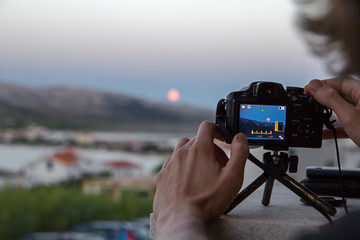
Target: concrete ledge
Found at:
x=285, y=218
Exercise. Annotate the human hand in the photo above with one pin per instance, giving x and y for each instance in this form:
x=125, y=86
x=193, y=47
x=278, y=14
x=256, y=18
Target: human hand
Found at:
x=341, y=94
x=197, y=183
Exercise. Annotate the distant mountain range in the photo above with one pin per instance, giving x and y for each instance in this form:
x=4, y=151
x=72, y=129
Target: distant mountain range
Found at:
x=75, y=108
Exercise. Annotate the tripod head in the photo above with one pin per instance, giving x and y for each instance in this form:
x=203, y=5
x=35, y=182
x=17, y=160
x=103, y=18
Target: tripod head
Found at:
x=281, y=160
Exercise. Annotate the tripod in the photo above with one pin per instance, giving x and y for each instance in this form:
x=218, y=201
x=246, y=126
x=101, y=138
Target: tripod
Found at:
x=275, y=166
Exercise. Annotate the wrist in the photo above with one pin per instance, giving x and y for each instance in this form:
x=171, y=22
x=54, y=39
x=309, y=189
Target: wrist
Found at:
x=180, y=224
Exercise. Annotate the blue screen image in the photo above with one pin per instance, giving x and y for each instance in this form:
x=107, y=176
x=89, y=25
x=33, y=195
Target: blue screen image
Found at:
x=263, y=122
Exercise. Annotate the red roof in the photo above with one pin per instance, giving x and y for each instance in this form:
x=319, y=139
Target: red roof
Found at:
x=122, y=164
x=66, y=157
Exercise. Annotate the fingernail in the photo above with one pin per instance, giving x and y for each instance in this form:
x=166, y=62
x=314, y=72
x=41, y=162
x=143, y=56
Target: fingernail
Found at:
x=241, y=138
x=315, y=85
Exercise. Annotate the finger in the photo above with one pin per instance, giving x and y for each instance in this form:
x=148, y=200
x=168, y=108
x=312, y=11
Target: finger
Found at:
x=207, y=132
x=220, y=156
x=331, y=98
x=181, y=142
x=346, y=86
x=329, y=134
x=306, y=89
x=166, y=162
x=349, y=88
x=233, y=172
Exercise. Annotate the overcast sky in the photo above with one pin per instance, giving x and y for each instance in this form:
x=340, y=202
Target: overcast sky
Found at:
x=204, y=48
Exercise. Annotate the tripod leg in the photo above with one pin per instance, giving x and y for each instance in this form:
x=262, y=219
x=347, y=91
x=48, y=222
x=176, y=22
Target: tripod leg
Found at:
x=307, y=194
x=247, y=191
x=267, y=191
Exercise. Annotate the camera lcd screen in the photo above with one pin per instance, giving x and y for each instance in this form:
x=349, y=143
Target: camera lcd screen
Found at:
x=263, y=122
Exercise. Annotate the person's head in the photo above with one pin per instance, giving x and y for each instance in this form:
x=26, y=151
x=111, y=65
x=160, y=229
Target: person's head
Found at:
x=333, y=31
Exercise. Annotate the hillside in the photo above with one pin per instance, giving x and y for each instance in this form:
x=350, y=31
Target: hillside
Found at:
x=70, y=108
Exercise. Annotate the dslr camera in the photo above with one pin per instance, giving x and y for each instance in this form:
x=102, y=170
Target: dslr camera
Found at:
x=272, y=117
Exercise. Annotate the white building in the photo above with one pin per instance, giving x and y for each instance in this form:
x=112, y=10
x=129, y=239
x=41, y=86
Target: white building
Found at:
x=61, y=166
x=66, y=165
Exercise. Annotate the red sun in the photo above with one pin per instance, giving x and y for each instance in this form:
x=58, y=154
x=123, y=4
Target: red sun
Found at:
x=173, y=95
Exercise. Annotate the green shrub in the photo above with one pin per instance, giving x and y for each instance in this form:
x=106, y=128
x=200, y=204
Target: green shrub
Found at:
x=59, y=208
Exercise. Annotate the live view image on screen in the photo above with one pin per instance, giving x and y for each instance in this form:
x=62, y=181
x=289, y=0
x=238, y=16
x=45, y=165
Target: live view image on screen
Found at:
x=263, y=122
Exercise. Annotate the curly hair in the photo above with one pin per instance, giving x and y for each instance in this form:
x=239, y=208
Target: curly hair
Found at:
x=334, y=34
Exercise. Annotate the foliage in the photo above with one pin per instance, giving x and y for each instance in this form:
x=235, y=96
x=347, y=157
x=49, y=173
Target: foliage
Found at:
x=59, y=208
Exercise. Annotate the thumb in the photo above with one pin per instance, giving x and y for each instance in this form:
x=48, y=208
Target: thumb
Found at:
x=233, y=173
x=330, y=98
x=238, y=156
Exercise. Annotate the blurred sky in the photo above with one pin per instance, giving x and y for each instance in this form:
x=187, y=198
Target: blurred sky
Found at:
x=203, y=48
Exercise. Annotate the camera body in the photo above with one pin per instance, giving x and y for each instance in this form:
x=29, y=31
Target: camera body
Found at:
x=272, y=117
